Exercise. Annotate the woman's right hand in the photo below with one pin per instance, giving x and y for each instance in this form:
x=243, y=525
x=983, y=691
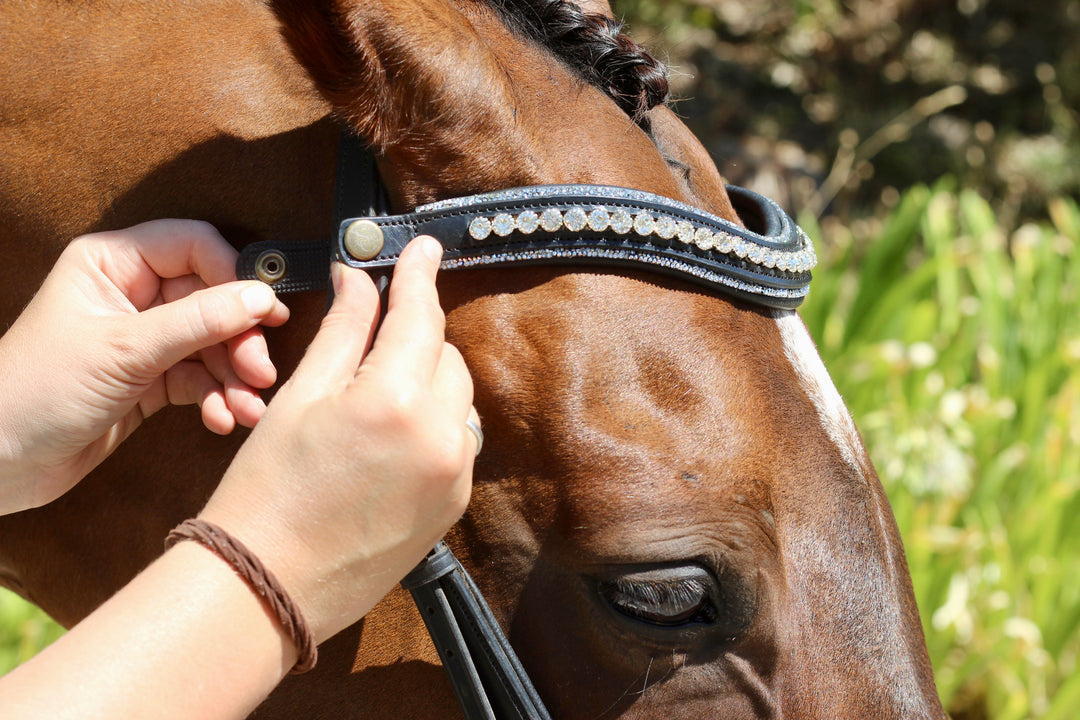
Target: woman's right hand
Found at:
x=363, y=459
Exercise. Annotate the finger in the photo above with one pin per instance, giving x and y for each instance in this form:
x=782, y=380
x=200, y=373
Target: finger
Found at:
x=173, y=289
x=164, y=335
x=250, y=359
x=136, y=258
x=172, y=248
x=245, y=404
x=411, y=338
x=216, y=415
x=453, y=390
x=186, y=383
x=344, y=336
x=242, y=401
x=452, y=384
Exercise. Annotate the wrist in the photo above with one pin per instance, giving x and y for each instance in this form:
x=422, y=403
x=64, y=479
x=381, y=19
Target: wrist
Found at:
x=18, y=483
x=260, y=580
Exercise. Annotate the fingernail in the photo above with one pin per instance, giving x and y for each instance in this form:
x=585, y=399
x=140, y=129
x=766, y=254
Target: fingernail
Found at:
x=335, y=276
x=258, y=298
x=431, y=248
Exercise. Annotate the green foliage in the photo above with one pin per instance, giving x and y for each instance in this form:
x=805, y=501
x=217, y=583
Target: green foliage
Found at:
x=957, y=348
x=24, y=631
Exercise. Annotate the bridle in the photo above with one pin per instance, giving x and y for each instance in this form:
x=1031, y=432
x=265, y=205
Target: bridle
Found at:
x=544, y=225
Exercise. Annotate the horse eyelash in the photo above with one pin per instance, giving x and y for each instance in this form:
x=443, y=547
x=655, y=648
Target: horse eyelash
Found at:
x=674, y=596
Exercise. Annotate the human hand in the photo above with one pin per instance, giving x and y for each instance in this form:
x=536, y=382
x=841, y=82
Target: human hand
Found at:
x=127, y=322
x=363, y=460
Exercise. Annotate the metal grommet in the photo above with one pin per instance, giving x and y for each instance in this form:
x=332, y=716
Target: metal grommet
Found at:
x=270, y=266
x=363, y=239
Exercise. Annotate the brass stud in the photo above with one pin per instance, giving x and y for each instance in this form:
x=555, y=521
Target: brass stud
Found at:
x=363, y=239
x=270, y=266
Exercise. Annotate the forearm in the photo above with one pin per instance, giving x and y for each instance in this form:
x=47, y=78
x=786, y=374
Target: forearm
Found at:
x=186, y=638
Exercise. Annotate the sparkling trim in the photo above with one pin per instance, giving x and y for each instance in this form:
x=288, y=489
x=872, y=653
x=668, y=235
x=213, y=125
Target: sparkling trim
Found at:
x=479, y=228
x=621, y=222
x=503, y=224
x=551, y=220
x=542, y=193
x=599, y=220
x=644, y=225
x=527, y=222
x=590, y=222
x=665, y=227
x=575, y=219
x=620, y=254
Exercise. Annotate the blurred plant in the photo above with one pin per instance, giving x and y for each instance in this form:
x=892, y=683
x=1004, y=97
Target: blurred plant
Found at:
x=24, y=631
x=957, y=347
x=878, y=94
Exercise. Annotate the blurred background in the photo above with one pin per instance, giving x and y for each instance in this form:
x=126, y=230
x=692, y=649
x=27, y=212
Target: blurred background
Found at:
x=932, y=150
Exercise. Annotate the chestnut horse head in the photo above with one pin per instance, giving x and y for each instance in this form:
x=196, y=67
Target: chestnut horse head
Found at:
x=673, y=515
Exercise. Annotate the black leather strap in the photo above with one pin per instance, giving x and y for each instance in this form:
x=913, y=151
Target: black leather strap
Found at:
x=768, y=264
x=357, y=190
x=484, y=671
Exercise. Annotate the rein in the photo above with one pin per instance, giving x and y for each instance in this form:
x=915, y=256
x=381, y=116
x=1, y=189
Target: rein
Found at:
x=767, y=265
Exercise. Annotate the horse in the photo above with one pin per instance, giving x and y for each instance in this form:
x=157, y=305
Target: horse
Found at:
x=673, y=514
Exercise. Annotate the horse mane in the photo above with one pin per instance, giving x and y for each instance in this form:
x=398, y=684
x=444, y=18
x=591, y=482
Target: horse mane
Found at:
x=596, y=48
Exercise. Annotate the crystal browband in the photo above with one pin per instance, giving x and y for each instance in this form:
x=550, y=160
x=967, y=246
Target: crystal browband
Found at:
x=580, y=224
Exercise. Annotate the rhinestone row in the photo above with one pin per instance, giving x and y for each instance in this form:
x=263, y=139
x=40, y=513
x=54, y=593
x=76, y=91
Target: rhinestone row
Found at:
x=622, y=222
x=619, y=254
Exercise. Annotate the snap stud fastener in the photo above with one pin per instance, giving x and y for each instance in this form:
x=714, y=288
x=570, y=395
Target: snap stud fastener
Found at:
x=363, y=239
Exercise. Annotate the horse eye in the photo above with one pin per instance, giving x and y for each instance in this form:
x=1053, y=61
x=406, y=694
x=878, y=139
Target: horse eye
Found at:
x=668, y=597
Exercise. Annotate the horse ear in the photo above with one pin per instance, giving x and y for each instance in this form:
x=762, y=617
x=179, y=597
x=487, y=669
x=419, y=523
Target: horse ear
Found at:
x=317, y=32
x=388, y=67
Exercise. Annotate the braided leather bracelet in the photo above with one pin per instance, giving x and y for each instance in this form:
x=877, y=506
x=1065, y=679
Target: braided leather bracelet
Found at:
x=259, y=578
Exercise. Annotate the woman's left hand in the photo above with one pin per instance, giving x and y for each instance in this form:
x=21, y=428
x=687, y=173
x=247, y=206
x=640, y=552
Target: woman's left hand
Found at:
x=127, y=322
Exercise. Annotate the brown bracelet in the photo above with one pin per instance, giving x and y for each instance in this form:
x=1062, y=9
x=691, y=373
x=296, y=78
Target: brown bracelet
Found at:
x=261, y=580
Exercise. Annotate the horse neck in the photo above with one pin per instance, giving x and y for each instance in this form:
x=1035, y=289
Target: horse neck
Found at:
x=150, y=98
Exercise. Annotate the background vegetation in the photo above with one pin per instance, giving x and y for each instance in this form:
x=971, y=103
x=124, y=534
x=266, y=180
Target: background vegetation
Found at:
x=931, y=148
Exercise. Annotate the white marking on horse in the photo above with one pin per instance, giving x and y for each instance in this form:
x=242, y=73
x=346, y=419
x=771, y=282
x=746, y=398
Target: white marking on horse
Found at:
x=891, y=652
x=801, y=352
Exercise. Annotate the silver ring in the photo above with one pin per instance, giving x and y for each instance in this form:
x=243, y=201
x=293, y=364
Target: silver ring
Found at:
x=474, y=427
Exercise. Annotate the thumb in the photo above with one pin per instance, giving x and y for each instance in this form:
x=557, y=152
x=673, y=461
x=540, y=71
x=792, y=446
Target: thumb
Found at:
x=166, y=334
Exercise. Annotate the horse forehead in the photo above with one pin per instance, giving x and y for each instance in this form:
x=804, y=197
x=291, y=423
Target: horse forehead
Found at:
x=659, y=388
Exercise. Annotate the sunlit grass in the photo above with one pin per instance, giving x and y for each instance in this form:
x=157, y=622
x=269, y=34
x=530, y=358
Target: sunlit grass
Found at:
x=957, y=348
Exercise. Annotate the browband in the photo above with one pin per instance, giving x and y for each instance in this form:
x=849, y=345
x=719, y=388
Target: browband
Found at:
x=768, y=265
